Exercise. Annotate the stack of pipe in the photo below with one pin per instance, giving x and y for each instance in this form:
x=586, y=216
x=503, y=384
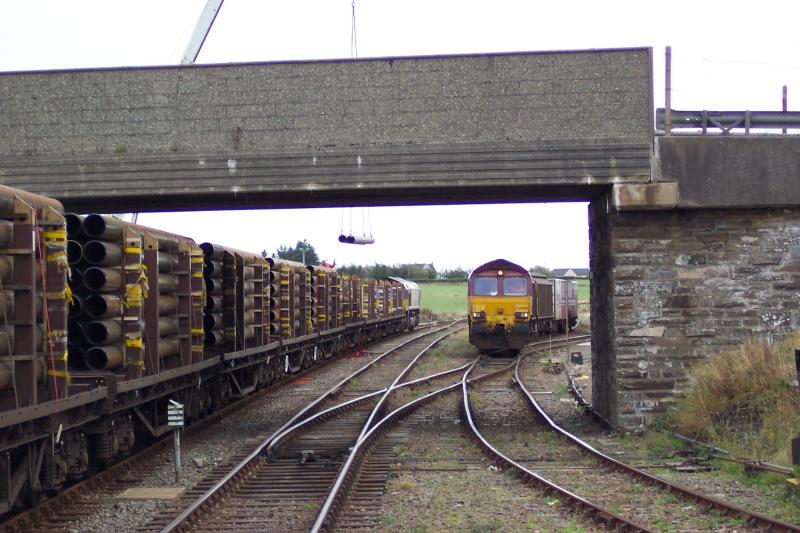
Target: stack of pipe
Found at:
x=96, y=251
x=274, y=302
x=95, y=318
x=32, y=230
x=213, y=321
x=248, y=300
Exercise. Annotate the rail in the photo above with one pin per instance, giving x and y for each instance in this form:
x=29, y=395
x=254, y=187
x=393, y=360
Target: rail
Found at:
x=754, y=519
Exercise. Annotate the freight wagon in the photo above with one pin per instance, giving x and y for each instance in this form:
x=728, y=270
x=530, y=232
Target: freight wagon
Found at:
x=103, y=322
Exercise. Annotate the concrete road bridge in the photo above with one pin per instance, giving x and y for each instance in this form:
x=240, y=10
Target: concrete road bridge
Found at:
x=695, y=240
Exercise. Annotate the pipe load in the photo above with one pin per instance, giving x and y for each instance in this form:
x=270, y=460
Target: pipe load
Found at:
x=352, y=239
x=7, y=341
x=102, y=227
x=168, y=346
x=214, y=337
x=6, y=268
x=167, y=305
x=102, y=331
x=74, y=252
x=76, y=277
x=167, y=326
x=213, y=286
x=166, y=262
x=7, y=305
x=36, y=201
x=100, y=253
x=249, y=301
x=6, y=376
x=104, y=357
x=167, y=283
x=212, y=268
x=76, y=357
x=76, y=306
x=212, y=250
x=103, y=305
x=213, y=321
x=213, y=303
x=6, y=233
x=101, y=279
x=74, y=223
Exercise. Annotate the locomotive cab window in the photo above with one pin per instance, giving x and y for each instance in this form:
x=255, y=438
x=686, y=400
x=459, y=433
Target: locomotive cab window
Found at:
x=515, y=287
x=485, y=287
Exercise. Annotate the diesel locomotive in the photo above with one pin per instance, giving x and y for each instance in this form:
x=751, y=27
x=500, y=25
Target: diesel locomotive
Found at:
x=102, y=322
x=507, y=305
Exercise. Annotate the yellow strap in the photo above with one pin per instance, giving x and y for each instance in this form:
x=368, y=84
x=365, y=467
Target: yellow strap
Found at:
x=57, y=295
x=62, y=358
x=136, y=292
x=198, y=331
x=139, y=363
x=68, y=294
x=197, y=349
x=197, y=259
x=60, y=374
x=55, y=235
x=133, y=250
x=197, y=274
x=57, y=257
x=133, y=342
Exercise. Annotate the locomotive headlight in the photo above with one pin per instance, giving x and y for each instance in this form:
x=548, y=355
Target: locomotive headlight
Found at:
x=522, y=316
x=479, y=315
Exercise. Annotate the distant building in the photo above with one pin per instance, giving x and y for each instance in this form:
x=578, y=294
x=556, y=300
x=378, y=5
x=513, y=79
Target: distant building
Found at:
x=419, y=270
x=581, y=273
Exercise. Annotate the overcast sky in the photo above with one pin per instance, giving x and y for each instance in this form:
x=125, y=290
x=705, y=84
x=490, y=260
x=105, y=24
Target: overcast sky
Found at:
x=727, y=55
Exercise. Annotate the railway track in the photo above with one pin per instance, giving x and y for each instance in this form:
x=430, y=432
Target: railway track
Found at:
x=611, y=493
x=278, y=483
x=70, y=508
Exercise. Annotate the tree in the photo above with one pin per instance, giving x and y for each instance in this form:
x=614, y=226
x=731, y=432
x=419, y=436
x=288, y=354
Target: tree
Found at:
x=303, y=252
x=456, y=273
x=538, y=269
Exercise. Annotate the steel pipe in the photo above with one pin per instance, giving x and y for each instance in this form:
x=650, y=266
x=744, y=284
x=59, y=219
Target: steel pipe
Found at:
x=74, y=252
x=212, y=268
x=76, y=278
x=7, y=305
x=101, y=279
x=7, y=341
x=76, y=356
x=167, y=305
x=214, y=337
x=102, y=331
x=213, y=303
x=6, y=268
x=103, y=305
x=168, y=346
x=74, y=223
x=102, y=227
x=213, y=251
x=213, y=286
x=167, y=283
x=104, y=357
x=213, y=321
x=75, y=331
x=100, y=253
x=36, y=201
x=6, y=233
x=6, y=376
x=167, y=326
x=166, y=262
x=249, y=317
x=76, y=306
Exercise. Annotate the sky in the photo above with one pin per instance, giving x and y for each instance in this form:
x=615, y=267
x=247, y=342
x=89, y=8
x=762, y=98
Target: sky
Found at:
x=726, y=55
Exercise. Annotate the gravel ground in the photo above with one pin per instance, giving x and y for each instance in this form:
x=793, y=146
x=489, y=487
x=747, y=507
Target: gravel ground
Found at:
x=441, y=482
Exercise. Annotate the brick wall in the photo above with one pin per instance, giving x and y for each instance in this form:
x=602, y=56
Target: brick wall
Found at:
x=687, y=284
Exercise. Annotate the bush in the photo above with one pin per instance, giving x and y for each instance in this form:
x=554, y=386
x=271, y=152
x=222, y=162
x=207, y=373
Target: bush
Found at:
x=743, y=400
